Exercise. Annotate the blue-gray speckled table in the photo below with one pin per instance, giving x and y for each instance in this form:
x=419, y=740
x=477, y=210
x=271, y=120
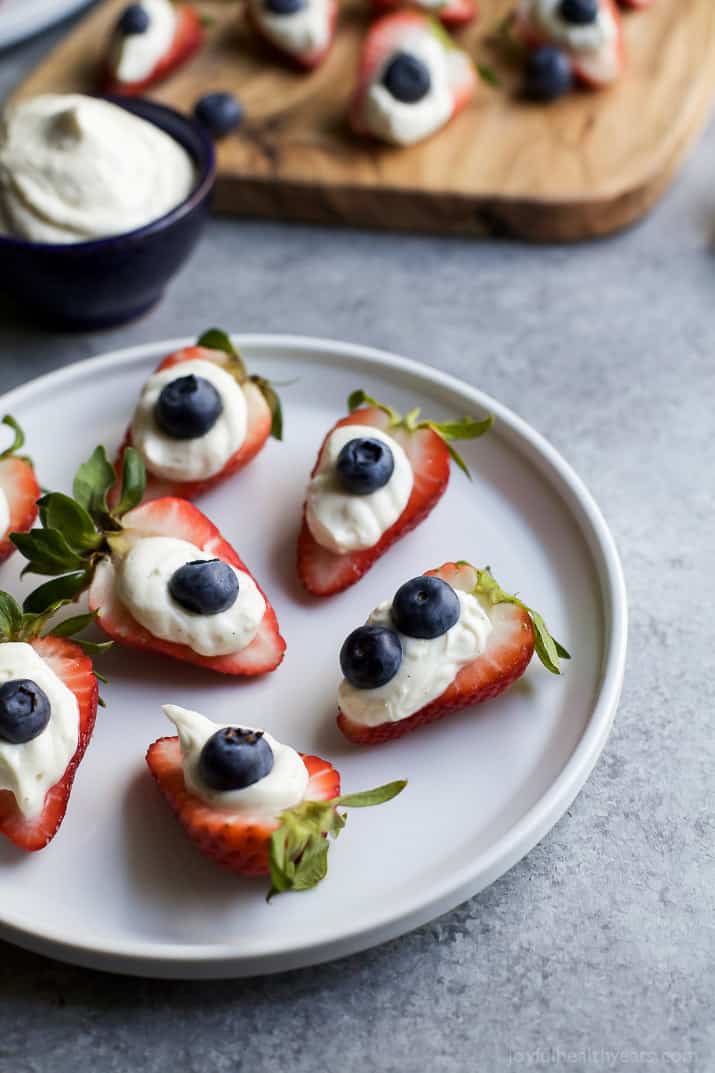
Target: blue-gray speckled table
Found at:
x=596, y=952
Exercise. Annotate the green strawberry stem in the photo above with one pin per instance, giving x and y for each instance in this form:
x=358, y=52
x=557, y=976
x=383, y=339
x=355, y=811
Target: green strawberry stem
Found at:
x=490, y=592
x=298, y=851
x=466, y=428
x=18, y=441
x=218, y=339
x=78, y=531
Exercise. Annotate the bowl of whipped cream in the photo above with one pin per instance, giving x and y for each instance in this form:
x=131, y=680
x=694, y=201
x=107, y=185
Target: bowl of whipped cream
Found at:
x=102, y=200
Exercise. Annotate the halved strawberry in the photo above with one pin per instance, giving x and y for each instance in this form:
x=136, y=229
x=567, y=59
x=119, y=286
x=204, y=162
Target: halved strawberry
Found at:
x=516, y=631
x=264, y=415
x=188, y=37
x=310, y=59
x=82, y=540
x=388, y=35
x=453, y=13
x=292, y=848
x=70, y=661
x=427, y=446
x=19, y=484
x=596, y=69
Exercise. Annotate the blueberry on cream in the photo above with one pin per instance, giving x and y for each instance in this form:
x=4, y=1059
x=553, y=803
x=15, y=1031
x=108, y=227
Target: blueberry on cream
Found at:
x=361, y=487
x=144, y=34
x=411, y=95
x=237, y=768
x=579, y=25
x=182, y=594
x=188, y=423
x=39, y=726
x=436, y=630
x=299, y=27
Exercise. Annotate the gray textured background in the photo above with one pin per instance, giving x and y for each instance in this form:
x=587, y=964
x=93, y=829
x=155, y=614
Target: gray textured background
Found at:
x=596, y=952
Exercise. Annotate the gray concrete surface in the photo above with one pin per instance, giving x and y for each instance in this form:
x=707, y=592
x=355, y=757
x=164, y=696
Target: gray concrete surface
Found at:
x=596, y=951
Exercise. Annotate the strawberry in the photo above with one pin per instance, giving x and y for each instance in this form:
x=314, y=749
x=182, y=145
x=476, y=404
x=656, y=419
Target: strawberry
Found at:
x=82, y=541
x=428, y=448
x=388, y=35
x=264, y=417
x=258, y=17
x=596, y=69
x=188, y=37
x=517, y=631
x=292, y=848
x=19, y=484
x=453, y=13
x=70, y=660
x=638, y=5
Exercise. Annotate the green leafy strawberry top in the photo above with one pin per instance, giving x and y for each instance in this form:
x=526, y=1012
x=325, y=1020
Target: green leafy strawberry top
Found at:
x=298, y=852
x=466, y=428
x=217, y=339
x=490, y=592
x=77, y=531
x=18, y=441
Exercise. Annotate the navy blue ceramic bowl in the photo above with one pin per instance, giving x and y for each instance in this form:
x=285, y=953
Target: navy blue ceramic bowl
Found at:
x=109, y=281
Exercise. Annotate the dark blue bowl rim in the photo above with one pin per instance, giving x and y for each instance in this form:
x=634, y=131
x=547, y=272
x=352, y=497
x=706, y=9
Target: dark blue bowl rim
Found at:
x=153, y=112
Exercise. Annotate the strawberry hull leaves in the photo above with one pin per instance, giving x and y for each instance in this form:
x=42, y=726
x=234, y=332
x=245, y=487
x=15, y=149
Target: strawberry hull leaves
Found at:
x=298, y=851
x=217, y=339
x=18, y=441
x=466, y=428
x=75, y=531
x=548, y=649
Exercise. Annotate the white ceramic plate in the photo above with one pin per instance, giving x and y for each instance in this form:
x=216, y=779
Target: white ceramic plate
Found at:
x=120, y=888
x=23, y=18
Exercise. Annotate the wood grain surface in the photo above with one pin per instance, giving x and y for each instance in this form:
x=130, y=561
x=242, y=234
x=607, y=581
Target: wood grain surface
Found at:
x=586, y=166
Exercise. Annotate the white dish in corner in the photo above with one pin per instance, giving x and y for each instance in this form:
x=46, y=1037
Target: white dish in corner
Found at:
x=23, y=18
x=121, y=889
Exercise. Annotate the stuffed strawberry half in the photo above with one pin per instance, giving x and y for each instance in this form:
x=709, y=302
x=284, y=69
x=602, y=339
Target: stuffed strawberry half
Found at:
x=302, y=30
x=48, y=705
x=200, y=418
x=588, y=32
x=255, y=806
x=449, y=639
x=412, y=79
x=150, y=40
x=377, y=476
x=19, y=490
x=159, y=576
x=453, y=13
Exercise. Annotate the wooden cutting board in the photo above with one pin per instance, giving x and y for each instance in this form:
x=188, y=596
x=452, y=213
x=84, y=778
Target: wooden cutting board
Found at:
x=586, y=166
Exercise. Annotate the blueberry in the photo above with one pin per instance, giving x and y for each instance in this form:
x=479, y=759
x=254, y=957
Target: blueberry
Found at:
x=370, y=656
x=232, y=759
x=548, y=73
x=188, y=407
x=219, y=112
x=24, y=711
x=364, y=465
x=204, y=586
x=284, y=7
x=425, y=607
x=133, y=20
x=579, y=12
x=407, y=78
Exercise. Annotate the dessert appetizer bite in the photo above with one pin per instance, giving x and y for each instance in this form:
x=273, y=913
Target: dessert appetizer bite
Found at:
x=453, y=13
x=255, y=806
x=412, y=79
x=377, y=476
x=302, y=30
x=159, y=576
x=200, y=418
x=19, y=490
x=48, y=705
x=448, y=639
x=589, y=32
x=150, y=40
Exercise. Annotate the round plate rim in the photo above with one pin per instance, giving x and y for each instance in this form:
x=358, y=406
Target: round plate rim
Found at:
x=27, y=21
x=206, y=960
